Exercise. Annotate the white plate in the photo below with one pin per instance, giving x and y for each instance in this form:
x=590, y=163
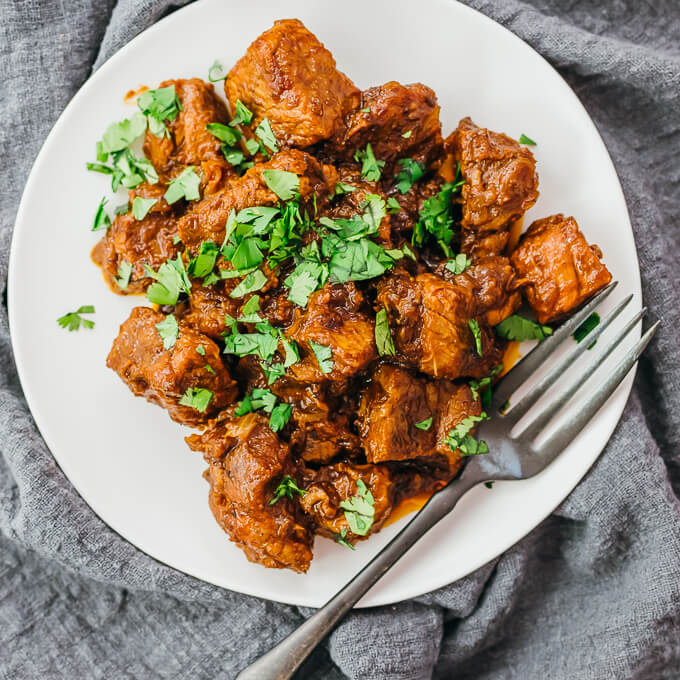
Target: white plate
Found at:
x=125, y=456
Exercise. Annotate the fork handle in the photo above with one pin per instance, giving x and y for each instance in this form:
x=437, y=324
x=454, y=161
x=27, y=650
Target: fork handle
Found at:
x=281, y=662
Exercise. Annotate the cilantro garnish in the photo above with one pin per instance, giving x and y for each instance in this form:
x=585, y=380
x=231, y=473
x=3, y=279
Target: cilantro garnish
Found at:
x=371, y=167
x=436, y=220
x=588, y=325
x=341, y=537
x=101, y=218
x=124, y=274
x=424, y=424
x=523, y=139
x=407, y=134
x=197, y=397
x=119, y=136
x=280, y=416
x=169, y=331
x=459, y=263
x=477, y=334
x=185, y=185
x=214, y=71
x=266, y=135
x=158, y=106
x=393, y=205
x=359, y=510
x=265, y=400
x=484, y=386
x=383, y=336
x=224, y=133
x=200, y=350
x=518, y=328
x=461, y=439
x=73, y=321
x=323, y=356
x=251, y=283
x=124, y=208
x=287, y=486
x=411, y=171
x=141, y=207
x=343, y=188
x=284, y=184
x=203, y=264
x=243, y=114
x=249, y=311
x=99, y=167
x=170, y=280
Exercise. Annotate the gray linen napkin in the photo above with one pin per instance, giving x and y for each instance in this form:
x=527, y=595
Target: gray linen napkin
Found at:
x=593, y=592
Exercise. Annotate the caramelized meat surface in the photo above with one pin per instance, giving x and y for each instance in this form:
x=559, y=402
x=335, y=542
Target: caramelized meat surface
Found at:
x=500, y=185
x=206, y=219
x=399, y=121
x=560, y=270
x=187, y=141
x=430, y=321
x=138, y=242
x=396, y=401
x=162, y=375
x=289, y=77
x=329, y=486
x=246, y=461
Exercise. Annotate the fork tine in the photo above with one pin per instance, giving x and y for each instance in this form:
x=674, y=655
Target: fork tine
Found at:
x=537, y=391
x=560, y=439
x=541, y=419
x=529, y=363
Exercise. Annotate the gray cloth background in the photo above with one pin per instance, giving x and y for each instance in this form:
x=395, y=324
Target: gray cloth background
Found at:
x=593, y=592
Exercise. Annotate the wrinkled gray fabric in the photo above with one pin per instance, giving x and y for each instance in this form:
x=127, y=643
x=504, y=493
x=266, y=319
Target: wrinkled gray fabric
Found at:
x=593, y=592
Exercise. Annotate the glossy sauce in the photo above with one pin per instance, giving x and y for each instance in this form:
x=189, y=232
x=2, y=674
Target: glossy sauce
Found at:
x=132, y=94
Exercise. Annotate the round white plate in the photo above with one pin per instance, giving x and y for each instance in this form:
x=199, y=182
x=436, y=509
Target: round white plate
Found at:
x=126, y=457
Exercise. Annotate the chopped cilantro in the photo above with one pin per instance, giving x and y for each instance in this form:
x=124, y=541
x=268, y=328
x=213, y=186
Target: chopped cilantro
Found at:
x=266, y=135
x=158, y=106
x=393, y=205
x=214, y=72
x=477, y=334
x=141, y=207
x=383, y=336
x=341, y=537
x=436, y=220
x=224, y=133
x=343, y=188
x=210, y=369
x=323, y=356
x=287, y=486
x=200, y=350
x=459, y=263
x=461, y=439
x=371, y=167
x=124, y=208
x=185, y=185
x=407, y=134
x=119, y=136
x=99, y=167
x=424, y=424
x=203, y=264
x=101, y=217
x=251, y=283
x=124, y=274
x=243, y=114
x=170, y=280
x=518, y=328
x=249, y=311
x=411, y=171
x=197, y=398
x=523, y=139
x=284, y=184
x=280, y=416
x=586, y=327
x=302, y=284
x=290, y=348
x=169, y=331
x=73, y=321
x=484, y=386
x=360, y=510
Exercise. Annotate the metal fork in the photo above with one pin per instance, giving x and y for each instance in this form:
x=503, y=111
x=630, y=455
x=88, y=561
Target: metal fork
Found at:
x=514, y=455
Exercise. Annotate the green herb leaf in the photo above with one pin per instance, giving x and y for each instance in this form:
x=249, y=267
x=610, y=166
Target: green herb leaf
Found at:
x=252, y=283
x=200, y=350
x=169, y=331
x=101, y=218
x=266, y=135
x=216, y=72
x=99, y=167
x=203, y=264
x=141, y=207
x=518, y=328
x=343, y=188
x=477, y=334
x=124, y=274
x=280, y=417
x=119, y=136
x=341, y=537
x=264, y=399
x=73, y=321
x=170, y=280
x=290, y=348
x=424, y=424
x=224, y=133
x=523, y=139
x=243, y=114
x=159, y=105
x=459, y=263
x=323, y=356
x=477, y=386
x=411, y=171
x=284, y=184
x=436, y=220
x=383, y=336
x=371, y=167
x=185, y=185
x=197, y=398
x=586, y=327
x=249, y=312
x=407, y=134
x=287, y=486
x=359, y=510
x=461, y=439
x=393, y=205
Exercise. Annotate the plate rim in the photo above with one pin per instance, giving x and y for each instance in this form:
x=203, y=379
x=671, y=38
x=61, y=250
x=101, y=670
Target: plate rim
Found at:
x=406, y=592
